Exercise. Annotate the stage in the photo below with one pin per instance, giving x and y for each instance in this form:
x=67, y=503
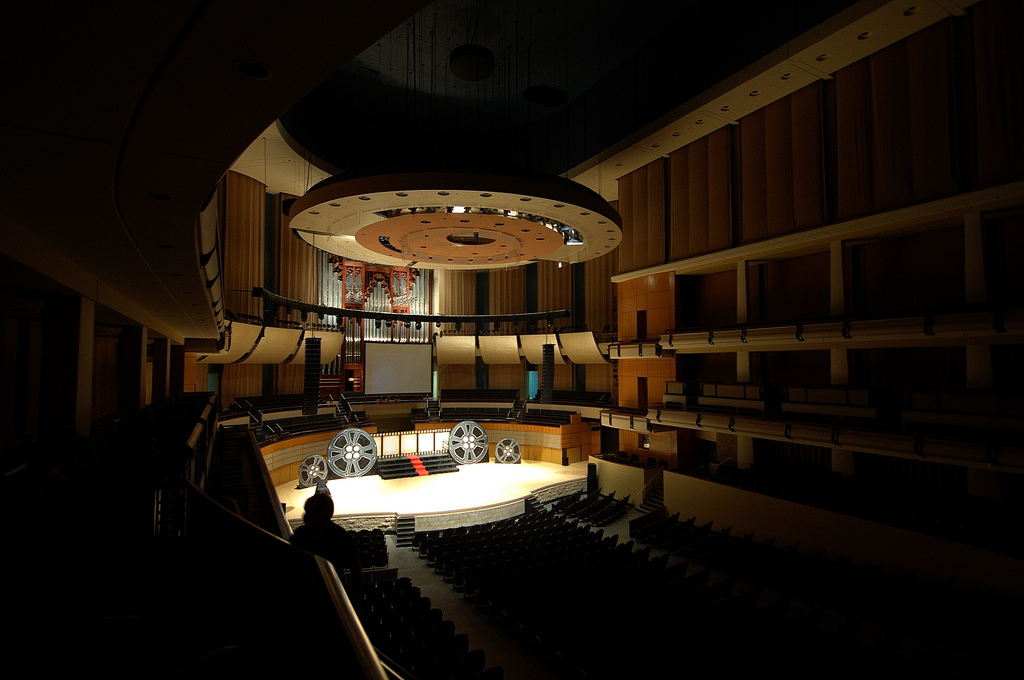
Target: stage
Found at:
x=473, y=486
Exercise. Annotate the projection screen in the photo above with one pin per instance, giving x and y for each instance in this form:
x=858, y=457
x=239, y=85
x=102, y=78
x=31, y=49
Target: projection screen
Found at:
x=393, y=368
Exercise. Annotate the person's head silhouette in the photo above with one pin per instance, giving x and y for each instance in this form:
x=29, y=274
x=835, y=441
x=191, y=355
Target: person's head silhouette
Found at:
x=319, y=508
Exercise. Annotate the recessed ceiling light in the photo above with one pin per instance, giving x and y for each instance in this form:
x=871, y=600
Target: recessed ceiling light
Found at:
x=822, y=57
x=754, y=93
x=401, y=194
x=787, y=76
x=584, y=214
x=364, y=198
x=656, y=145
x=726, y=107
x=253, y=69
x=525, y=199
x=910, y=11
x=619, y=164
x=864, y=36
x=559, y=205
x=485, y=195
x=700, y=121
x=334, y=205
x=676, y=134
x=314, y=212
x=442, y=193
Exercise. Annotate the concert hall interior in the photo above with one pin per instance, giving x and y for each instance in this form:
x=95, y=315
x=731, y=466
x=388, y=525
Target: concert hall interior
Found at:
x=629, y=338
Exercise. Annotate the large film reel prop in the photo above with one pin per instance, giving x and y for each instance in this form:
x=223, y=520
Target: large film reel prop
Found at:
x=352, y=453
x=467, y=443
x=507, y=451
x=311, y=469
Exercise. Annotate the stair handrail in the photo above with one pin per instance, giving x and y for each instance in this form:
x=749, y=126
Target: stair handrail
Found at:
x=657, y=475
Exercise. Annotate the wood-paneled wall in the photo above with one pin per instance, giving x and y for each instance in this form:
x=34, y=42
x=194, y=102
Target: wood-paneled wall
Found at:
x=244, y=210
x=243, y=242
x=700, y=196
x=642, y=207
x=554, y=288
x=999, y=98
x=296, y=279
x=599, y=291
x=505, y=290
x=895, y=132
x=781, y=163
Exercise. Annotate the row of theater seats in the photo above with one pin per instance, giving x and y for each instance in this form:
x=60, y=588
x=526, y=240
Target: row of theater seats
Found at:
x=373, y=548
x=726, y=605
x=974, y=520
x=409, y=632
x=596, y=509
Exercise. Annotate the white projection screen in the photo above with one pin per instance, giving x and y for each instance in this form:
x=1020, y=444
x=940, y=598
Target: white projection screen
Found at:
x=393, y=368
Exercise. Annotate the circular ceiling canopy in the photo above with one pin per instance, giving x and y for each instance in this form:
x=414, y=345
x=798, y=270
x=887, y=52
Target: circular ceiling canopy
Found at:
x=456, y=220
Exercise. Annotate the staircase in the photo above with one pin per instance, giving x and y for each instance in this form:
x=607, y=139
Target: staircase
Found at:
x=396, y=467
x=654, y=498
x=533, y=505
x=405, y=531
x=433, y=409
x=518, y=409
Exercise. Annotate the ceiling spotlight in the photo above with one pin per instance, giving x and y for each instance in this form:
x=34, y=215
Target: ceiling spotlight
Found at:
x=419, y=325
x=376, y=324
x=572, y=238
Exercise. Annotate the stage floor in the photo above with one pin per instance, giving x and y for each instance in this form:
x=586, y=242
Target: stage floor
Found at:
x=473, y=486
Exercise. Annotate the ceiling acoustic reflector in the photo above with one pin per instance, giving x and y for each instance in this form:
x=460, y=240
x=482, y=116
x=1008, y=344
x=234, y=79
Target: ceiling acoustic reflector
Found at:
x=456, y=220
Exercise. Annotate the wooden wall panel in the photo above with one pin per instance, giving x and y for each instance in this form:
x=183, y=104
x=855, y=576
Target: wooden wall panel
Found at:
x=625, y=248
x=698, y=196
x=507, y=377
x=679, y=202
x=999, y=98
x=890, y=143
x=506, y=291
x=854, y=188
x=599, y=291
x=796, y=288
x=930, y=99
x=719, y=189
x=914, y=272
x=456, y=294
x=753, y=182
x=554, y=289
x=456, y=377
x=655, y=236
x=600, y=378
x=808, y=158
x=244, y=210
x=894, y=127
x=778, y=140
x=240, y=380
x=638, y=216
x=296, y=279
x=642, y=207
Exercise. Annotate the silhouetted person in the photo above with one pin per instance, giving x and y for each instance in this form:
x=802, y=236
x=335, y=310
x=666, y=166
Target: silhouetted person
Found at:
x=321, y=536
